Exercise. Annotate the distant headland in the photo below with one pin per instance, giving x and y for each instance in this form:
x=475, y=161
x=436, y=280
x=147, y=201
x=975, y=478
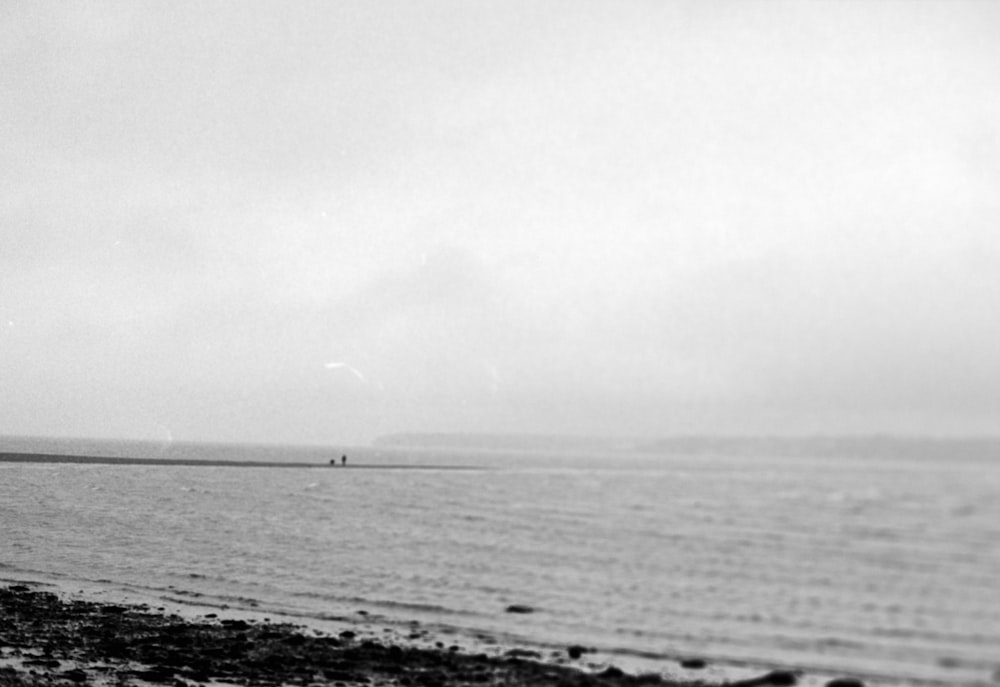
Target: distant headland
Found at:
x=832, y=446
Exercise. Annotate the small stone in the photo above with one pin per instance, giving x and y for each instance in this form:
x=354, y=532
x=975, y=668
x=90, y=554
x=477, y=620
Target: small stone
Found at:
x=694, y=663
x=845, y=682
x=776, y=678
x=576, y=651
x=338, y=675
x=155, y=674
x=520, y=608
x=782, y=678
x=75, y=675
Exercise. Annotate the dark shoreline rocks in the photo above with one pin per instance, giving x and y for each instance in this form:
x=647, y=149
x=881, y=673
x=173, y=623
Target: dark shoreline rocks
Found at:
x=45, y=640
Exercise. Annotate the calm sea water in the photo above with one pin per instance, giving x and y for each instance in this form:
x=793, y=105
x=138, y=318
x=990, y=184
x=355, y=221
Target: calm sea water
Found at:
x=887, y=569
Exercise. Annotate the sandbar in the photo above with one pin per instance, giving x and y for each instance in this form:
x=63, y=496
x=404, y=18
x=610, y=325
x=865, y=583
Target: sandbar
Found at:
x=44, y=458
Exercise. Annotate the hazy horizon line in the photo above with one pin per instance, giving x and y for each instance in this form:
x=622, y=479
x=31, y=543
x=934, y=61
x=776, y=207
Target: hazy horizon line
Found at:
x=688, y=436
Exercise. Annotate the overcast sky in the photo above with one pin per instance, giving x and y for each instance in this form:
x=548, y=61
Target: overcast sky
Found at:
x=323, y=221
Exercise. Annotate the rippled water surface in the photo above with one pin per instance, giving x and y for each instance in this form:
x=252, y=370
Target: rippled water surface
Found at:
x=888, y=569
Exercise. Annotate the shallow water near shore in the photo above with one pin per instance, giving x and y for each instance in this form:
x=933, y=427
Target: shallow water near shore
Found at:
x=882, y=569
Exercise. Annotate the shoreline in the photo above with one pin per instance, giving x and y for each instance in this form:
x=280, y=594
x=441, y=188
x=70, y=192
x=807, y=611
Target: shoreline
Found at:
x=676, y=667
x=50, y=637
x=47, y=638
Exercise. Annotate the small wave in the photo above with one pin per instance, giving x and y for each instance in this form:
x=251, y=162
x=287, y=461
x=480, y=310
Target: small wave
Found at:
x=872, y=676
x=388, y=605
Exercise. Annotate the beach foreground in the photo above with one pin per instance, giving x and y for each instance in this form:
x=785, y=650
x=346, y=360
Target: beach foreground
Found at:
x=48, y=640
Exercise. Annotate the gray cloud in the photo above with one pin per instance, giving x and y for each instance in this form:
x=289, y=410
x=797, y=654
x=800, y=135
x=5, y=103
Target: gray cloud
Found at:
x=627, y=219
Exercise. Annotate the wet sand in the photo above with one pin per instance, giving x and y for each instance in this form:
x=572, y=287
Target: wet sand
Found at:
x=46, y=639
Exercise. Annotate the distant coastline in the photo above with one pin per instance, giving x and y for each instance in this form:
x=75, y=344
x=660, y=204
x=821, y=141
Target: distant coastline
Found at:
x=444, y=450
x=832, y=446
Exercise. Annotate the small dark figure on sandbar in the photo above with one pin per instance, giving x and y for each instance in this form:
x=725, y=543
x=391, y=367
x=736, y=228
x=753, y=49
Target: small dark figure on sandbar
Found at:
x=343, y=460
x=333, y=461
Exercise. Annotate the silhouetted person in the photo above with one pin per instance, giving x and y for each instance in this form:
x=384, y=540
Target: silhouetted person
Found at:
x=343, y=460
x=333, y=461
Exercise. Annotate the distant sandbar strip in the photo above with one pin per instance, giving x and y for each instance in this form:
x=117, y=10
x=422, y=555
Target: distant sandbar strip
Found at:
x=192, y=462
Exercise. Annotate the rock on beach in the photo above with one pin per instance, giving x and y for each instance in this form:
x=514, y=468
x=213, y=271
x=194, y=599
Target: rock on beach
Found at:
x=776, y=678
x=520, y=608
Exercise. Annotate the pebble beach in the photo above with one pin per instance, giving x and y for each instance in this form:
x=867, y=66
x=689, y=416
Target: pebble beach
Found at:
x=48, y=638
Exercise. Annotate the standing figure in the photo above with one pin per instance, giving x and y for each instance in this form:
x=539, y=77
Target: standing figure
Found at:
x=343, y=460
